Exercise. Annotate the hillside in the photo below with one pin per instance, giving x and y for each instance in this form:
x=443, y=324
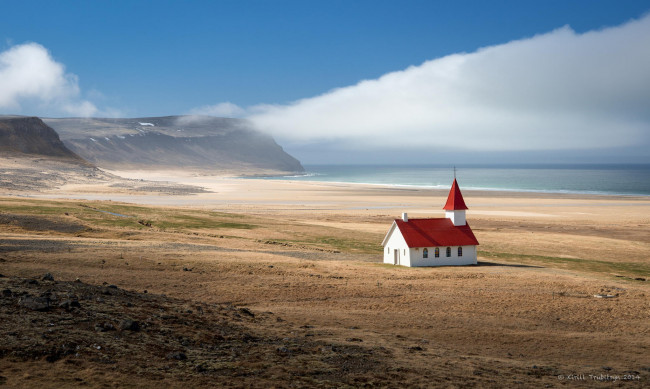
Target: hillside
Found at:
x=188, y=142
x=29, y=135
x=34, y=159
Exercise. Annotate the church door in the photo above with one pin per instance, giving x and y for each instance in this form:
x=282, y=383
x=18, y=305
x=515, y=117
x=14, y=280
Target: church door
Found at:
x=396, y=260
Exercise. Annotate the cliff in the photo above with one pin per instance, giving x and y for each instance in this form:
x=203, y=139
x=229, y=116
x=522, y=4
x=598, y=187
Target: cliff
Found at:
x=29, y=135
x=187, y=142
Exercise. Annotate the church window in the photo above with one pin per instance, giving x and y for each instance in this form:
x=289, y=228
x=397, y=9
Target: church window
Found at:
x=437, y=252
x=460, y=251
x=449, y=251
x=425, y=253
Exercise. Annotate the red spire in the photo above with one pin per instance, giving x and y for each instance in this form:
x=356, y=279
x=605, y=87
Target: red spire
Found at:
x=455, y=200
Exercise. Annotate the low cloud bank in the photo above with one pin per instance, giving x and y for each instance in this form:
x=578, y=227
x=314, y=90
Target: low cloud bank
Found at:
x=555, y=91
x=29, y=76
x=226, y=109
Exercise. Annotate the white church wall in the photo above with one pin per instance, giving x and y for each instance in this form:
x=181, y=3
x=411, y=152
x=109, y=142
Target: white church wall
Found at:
x=468, y=257
x=396, y=242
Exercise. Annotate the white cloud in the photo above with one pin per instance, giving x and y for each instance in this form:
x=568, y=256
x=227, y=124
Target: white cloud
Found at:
x=30, y=76
x=226, y=109
x=559, y=90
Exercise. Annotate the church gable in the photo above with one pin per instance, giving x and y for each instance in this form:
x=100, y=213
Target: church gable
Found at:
x=435, y=232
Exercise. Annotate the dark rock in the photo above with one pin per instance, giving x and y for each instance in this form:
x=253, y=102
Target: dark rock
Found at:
x=416, y=348
x=103, y=327
x=6, y=293
x=282, y=350
x=48, y=277
x=354, y=340
x=130, y=325
x=179, y=356
x=1, y=275
x=41, y=304
x=69, y=304
x=248, y=338
x=112, y=286
x=187, y=269
x=246, y=311
x=606, y=368
x=103, y=360
x=640, y=279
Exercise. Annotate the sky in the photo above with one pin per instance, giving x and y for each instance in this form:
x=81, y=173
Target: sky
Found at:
x=351, y=81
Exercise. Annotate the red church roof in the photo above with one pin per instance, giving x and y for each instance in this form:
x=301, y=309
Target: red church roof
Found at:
x=455, y=200
x=435, y=232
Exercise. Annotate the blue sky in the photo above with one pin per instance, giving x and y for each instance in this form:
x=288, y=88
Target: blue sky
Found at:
x=153, y=58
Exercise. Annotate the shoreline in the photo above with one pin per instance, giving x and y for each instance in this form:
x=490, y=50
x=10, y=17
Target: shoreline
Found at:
x=615, y=180
x=465, y=189
x=302, y=197
x=188, y=178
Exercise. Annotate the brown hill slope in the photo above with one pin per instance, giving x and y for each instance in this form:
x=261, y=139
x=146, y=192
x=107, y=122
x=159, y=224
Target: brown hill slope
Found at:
x=29, y=135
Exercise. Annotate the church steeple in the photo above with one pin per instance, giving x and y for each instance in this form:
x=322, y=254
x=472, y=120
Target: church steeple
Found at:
x=455, y=206
x=455, y=199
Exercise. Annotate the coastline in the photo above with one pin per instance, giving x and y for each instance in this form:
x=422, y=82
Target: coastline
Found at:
x=598, y=179
x=313, y=202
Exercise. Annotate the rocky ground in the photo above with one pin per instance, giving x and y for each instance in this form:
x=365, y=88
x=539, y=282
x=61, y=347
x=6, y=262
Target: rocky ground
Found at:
x=104, y=335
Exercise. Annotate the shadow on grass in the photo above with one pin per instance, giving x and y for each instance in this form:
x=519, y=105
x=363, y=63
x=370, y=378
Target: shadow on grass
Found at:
x=484, y=263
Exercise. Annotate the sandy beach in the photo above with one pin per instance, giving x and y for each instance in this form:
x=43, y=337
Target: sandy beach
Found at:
x=310, y=253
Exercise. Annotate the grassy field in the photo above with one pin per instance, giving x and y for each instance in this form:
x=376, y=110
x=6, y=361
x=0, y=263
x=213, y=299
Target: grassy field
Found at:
x=323, y=301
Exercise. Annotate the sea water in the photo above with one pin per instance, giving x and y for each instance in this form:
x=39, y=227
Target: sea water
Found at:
x=588, y=179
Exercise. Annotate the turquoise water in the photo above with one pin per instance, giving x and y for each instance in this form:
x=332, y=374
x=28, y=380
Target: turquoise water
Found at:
x=593, y=179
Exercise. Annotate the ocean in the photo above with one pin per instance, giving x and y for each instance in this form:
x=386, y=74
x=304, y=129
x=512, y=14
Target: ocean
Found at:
x=585, y=179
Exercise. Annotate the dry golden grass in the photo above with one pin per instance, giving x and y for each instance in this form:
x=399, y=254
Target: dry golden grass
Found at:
x=524, y=315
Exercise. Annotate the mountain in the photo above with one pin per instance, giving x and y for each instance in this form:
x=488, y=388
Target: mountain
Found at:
x=34, y=159
x=29, y=135
x=189, y=142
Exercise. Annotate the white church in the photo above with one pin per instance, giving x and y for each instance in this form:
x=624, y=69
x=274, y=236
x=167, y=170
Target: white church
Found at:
x=444, y=241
